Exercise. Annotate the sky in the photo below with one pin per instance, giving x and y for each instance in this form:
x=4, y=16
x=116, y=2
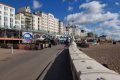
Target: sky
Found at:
x=100, y=16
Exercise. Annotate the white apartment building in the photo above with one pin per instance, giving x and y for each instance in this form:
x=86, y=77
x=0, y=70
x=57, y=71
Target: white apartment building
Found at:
x=20, y=21
x=50, y=23
x=44, y=21
x=77, y=32
x=61, y=27
x=36, y=22
x=27, y=17
x=83, y=33
x=64, y=30
x=7, y=16
x=56, y=25
x=39, y=21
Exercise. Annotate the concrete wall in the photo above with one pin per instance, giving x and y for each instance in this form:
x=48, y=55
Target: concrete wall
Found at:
x=85, y=68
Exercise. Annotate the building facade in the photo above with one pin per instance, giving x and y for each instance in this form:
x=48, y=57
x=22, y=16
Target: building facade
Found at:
x=61, y=27
x=56, y=25
x=20, y=21
x=50, y=23
x=38, y=21
x=7, y=16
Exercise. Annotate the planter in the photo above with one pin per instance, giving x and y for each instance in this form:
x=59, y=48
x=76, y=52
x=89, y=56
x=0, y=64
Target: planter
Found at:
x=21, y=46
x=4, y=46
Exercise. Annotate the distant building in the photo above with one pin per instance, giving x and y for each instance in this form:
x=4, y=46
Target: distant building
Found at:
x=7, y=16
x=49, y=23
x=61, y=27
x=44, y=20
x=83, y=33
x=56, y=25
x=20, y=20
x=25, y=12
x=103, y=38
x=90, y=34
x=77, y=32
x=38, y=21
x=25, y=9
x=65, y=31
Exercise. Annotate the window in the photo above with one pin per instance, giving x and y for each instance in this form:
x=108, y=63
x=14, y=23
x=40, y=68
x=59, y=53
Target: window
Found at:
x=5, y=24
x=5, y=8
x=38, y=28
x=22, y=22
x=11, y=10
x=11, y=14
x=11, y=24
x=0, y=12
x=0, y=6
x=11, y=20
x=0, y=18
x=5, y=13
x=5, y=19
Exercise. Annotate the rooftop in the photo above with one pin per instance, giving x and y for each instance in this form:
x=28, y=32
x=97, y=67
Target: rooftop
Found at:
x=6, y=5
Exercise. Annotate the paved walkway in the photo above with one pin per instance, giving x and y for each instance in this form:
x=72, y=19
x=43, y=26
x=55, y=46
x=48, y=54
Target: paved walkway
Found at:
x=6, y=53
x=28, y=65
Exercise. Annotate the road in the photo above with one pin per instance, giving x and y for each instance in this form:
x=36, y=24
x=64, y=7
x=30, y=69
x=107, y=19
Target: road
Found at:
x=107, y=53
x=27, y=66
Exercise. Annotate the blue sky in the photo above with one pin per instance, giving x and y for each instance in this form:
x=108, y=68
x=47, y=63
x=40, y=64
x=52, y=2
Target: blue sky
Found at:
x=103, y=16
x=60, y=7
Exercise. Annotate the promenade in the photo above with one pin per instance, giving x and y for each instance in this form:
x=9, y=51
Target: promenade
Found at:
x=47, y=64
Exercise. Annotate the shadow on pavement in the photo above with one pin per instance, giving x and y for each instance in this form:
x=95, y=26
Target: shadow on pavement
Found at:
x=60, y=69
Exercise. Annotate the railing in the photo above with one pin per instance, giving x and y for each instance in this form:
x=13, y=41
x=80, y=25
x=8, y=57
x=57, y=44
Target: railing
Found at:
x=85, y=68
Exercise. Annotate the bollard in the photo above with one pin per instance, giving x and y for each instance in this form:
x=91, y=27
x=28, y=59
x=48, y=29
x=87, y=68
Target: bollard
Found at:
x=12, y=49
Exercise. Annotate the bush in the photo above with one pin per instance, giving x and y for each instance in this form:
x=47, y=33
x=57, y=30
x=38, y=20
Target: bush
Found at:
x=4, y=45
x=83, y=45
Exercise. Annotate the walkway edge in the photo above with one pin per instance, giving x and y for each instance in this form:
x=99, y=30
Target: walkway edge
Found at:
x=47, y=67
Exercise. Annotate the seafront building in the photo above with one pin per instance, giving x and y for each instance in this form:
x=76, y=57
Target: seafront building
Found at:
x=39, y=21
x=7, y=16
x=12, y=25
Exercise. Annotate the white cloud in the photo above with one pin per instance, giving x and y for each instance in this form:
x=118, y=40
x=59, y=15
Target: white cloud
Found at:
x=36, y=4
x=93, y=7
x=70, y=8
x=94, y=13
x=115, y=24
x=117, y=3
x=115, y=34
x=86, y=18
